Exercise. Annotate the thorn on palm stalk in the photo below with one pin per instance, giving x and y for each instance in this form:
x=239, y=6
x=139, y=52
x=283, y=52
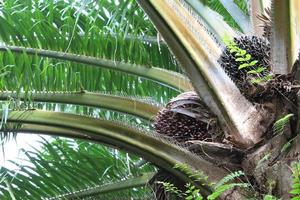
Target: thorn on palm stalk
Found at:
x=267, y=23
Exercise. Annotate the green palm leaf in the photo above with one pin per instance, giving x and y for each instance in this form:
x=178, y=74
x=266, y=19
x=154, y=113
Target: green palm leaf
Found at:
x=66, y=166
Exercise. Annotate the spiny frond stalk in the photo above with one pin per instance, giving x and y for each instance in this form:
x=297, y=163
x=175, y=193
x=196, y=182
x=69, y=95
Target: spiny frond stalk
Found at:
x=129, y=105
x=170, y=78
x=239, y=17
x=255, y=9
x=134, y=182
x=280, y=40
x=215, y=21
x=295, y=29
x=116, y=135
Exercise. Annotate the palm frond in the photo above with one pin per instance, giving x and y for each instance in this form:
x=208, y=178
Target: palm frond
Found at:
x=98, y=191
x=238, y=15
x=167, y=77
x=80, y=165
x=214, y=21
x=115, y=134
x=144, y=108
x=256, y=9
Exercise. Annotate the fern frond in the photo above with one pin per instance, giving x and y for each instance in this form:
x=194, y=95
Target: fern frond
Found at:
x=223, y=184
x=196, y=175
x=295, y=192
x=287, y=145
x=170, y=187
x=270, y=197
x=261, y=161
x=279, y=125
x=225, y=187
x=192, y=193
x=228, y=178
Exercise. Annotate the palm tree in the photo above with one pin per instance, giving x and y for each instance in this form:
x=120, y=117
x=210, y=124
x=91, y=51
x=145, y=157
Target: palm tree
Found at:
x=65, y=52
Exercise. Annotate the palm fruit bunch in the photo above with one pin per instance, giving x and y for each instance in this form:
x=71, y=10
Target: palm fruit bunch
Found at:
x=183, y=119
x=187, y=118
x=258, y=48
x=258, y=92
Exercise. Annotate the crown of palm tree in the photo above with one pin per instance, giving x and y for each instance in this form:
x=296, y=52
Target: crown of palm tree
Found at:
x=98, y=70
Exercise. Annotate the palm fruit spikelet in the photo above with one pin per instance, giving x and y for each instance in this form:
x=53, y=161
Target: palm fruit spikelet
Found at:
x=187, y=118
